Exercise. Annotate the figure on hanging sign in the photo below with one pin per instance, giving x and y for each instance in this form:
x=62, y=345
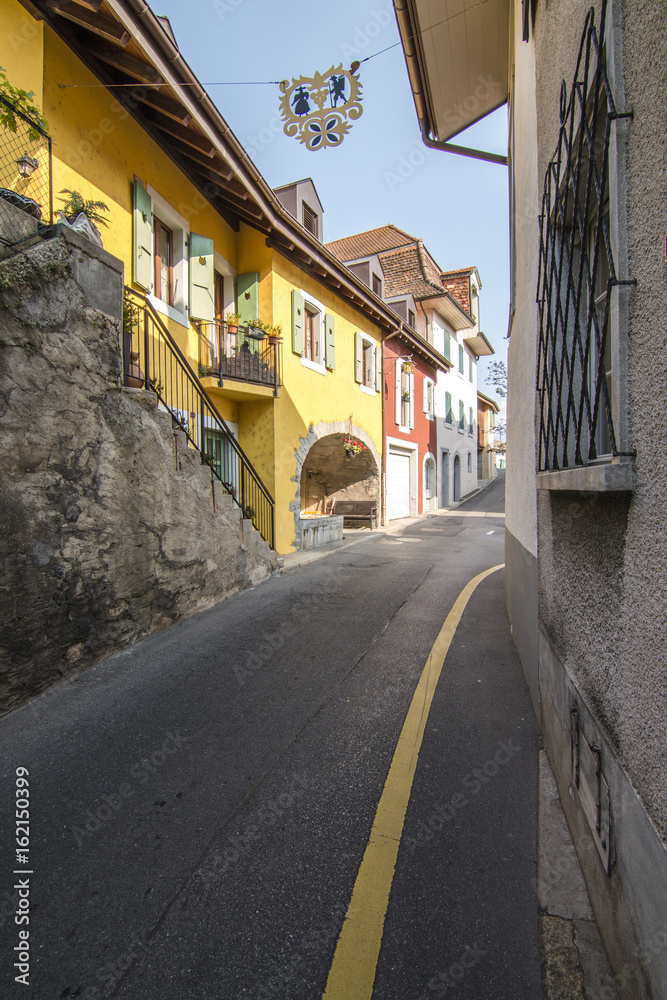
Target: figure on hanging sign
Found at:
x=319, y=110
x=300, y=101
x=337, y=89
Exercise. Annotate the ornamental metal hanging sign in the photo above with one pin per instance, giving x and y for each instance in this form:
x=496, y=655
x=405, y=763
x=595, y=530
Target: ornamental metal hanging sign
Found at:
x=319, y=109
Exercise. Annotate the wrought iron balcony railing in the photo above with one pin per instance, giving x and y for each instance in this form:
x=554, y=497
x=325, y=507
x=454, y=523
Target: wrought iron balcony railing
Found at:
x=241, y=354
x=152, y=360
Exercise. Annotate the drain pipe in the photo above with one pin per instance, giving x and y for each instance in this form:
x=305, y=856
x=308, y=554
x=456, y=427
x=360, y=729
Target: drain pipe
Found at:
x=406, y=32
x=449, y=147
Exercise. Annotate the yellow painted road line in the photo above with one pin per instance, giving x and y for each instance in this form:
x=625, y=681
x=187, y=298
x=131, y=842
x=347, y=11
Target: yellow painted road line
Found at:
x=352, y=972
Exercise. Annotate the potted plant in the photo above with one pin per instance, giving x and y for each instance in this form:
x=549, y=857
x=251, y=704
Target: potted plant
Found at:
x=83, y=215
x=275, y=333
x=256, y=330
x=232, y=319
x=353, y=447
x=249, y=512
x=405, y=395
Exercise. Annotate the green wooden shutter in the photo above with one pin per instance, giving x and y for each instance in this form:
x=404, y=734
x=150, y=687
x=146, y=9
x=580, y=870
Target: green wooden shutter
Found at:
x=470, y=369
x=358, y=358
x=378, y=368
x=330, y=340
x=298, y=340
x=462, y=415
x=142, y=233
x=247, y=294
x=202, y=303
x=461, y=353
x=448, y=346
x=448, y=408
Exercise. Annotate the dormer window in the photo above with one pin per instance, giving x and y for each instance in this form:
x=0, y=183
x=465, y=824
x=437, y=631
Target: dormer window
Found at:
x=411, y=319
x=310, y=220
x=377, y=284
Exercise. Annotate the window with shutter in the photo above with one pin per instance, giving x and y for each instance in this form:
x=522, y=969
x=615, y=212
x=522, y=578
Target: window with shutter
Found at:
x=248, y=297
x=470, y=369
x=163, y=284
x=462, y=415
x=330, y=341
x=448, y=347
x=358, y=358
x=142, y=236
x=461, y=359
x=472, y=424
x=202, y=278
x=298, y=342
x=449, y=417
x=310, y=220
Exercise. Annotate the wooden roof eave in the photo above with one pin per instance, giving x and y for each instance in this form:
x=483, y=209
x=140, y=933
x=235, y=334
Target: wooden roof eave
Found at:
x=202, y=128
x=425, y=351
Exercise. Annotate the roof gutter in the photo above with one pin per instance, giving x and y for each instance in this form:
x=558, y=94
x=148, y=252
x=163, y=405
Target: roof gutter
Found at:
x=277, y=215
x=406, y=29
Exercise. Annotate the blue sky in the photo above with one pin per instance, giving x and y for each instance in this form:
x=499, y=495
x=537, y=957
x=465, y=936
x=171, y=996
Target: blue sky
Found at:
x=382, y=172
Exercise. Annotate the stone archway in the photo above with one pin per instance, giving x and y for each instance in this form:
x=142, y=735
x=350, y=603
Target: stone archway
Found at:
x=324, y=472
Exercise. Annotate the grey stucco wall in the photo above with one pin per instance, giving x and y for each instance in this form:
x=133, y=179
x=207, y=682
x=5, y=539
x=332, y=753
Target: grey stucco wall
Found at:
x=110, y=527
x=521, y=503
x=603, y=561
x=603, y=557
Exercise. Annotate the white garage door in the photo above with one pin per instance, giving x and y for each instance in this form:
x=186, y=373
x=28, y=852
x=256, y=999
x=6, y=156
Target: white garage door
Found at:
x=398, y=484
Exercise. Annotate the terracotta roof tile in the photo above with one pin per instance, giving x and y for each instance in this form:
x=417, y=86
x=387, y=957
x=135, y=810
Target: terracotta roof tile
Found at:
x=459, y=287
x=405, y=273
x=371, y=242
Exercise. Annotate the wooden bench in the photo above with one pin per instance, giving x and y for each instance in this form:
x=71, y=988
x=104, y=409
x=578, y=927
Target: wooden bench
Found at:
x=357, y=510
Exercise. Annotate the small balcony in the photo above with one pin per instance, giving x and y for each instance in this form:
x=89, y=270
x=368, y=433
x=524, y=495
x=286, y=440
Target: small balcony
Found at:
x=243, y=354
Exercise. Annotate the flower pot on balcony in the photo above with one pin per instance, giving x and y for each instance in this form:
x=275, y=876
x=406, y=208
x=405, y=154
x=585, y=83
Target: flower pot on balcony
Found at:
x=255, y=333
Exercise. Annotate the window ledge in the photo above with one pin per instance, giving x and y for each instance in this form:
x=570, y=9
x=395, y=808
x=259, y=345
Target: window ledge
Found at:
x=613, y=477
x=313, y=365
x=367, y=389
x=174, y=314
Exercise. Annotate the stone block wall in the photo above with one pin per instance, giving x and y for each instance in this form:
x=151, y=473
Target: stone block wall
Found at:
x=110, y=526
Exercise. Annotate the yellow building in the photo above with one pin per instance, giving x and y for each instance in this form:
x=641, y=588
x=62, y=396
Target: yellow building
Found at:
x=202, y=236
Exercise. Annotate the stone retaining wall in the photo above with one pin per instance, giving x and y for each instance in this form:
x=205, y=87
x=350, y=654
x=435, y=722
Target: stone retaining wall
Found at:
x=110, y=526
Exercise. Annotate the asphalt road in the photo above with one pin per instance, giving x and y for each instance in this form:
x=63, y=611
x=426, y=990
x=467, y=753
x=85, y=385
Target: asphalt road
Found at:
x=200, y=804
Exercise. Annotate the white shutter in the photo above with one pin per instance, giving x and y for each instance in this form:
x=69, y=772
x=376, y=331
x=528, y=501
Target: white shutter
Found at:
x=358, y=358
x=412, y=401
x=398, y=392
x=378, y=368
x=425, y=385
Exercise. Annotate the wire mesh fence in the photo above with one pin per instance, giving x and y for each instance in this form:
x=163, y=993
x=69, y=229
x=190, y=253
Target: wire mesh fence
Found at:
x=26, y=186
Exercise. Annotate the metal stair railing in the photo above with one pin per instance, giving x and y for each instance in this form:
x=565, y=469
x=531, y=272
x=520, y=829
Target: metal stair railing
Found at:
x=153, y=360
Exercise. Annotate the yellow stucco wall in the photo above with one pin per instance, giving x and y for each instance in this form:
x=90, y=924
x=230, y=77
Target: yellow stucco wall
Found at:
x=308, y=397
x=98, y=148
x=21, y=48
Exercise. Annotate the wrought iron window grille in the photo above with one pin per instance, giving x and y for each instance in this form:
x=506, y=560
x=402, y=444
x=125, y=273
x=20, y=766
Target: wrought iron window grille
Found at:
x=577, y=271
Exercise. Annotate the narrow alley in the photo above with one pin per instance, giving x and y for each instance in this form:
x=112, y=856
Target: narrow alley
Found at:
x=201, y=803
